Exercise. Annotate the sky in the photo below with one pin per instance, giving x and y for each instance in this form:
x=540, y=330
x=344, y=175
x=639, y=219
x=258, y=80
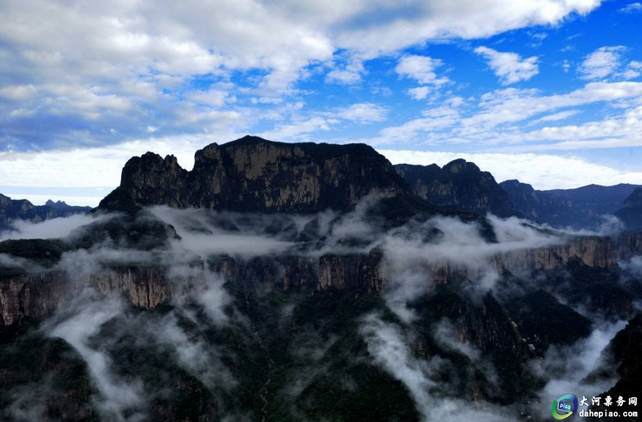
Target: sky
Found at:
x=545, y=91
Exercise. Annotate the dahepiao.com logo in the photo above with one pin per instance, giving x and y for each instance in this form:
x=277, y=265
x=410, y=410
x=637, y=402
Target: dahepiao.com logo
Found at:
x=564, y=406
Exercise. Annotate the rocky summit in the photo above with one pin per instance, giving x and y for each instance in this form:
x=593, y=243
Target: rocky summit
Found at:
x=253, y=174
x=288, y=282
x=458, y=184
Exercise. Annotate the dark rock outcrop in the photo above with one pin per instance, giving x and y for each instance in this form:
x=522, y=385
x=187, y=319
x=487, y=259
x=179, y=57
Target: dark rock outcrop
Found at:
x=459, y=184
x=629, y=244
x=631, y=212
x=253, y=174
x=21, y=209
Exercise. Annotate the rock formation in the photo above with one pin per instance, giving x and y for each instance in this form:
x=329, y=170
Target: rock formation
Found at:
x=253, y=174
x=458, y=184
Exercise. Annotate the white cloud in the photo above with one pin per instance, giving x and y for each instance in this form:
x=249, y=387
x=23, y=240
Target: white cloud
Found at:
x=419, y=93
x=298, y=131
x=509, y=67
x=347, y=77
x=364, y=113
x=632, y=8
x=601, y=63
x=420, y=68
x=105, y=72
x=18, y=92
x=492, y=121
x=91, y=167
x=543, y=171
x=211, y=97
x=632, y=71
x=349, y=74
x=562, y=115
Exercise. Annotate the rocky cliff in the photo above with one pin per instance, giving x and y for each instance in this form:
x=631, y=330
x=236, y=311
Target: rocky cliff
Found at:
x=458, y=184
x=629, y=244
x=253, y=174
x=36, y=295
x=21, y=209
x=33, y=296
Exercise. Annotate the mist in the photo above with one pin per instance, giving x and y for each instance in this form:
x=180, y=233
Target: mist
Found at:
x=51, y=229
x=203, y=303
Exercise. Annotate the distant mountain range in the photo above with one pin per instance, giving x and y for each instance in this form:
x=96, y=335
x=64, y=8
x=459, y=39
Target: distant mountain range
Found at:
x=307, y=177
x=579, y=208
x=21, y=209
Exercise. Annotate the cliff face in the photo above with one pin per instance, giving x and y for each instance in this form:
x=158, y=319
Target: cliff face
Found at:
x=458, y=184
x=252, y=174
x=34, y=296
x=37, y=295
x=599, y=252
x=629, y=244
x=144, y=287
x=578, y=208
x=21, y=209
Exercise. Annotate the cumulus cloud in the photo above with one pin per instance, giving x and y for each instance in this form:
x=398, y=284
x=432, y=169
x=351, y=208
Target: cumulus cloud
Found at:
x=601, y=63
x=421, y=69
x=111, y=74
x=509, y=67
x=419, y=93
x=364, y=113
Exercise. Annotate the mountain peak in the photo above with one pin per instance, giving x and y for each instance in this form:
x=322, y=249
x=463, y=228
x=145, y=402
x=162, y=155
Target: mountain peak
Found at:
x=460, y=184
x=255, y=174
x=460, y=165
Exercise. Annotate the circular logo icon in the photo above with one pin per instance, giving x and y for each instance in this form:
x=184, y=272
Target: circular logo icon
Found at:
x=564, y=406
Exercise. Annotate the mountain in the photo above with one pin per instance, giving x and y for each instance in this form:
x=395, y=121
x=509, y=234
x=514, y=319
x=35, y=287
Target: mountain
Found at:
x=253, y=174
x=295, y=282
x=631, y=212
x=21, y=209
x=461, y=184
x=577, y=208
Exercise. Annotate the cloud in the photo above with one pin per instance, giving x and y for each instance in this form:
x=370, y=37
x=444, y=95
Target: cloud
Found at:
x=390, y=349
x=601, y=63
x=566, y=368
x=509, y=67
x=632, y=8
x=633, y=70
x=364, y=113
x=421, y=69
x=298, y=130
x=202, y=237
x=556, y=117
x=100, y=75
x=117, y=395
x=634, y=266
x=419, y=93
x=54, y=228
x=543, y=171
x=492, y=121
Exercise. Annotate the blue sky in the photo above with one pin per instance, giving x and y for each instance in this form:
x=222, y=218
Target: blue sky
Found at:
x=545, y=91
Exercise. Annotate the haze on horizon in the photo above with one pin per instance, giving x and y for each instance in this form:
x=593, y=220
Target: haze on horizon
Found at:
x=547, y=91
